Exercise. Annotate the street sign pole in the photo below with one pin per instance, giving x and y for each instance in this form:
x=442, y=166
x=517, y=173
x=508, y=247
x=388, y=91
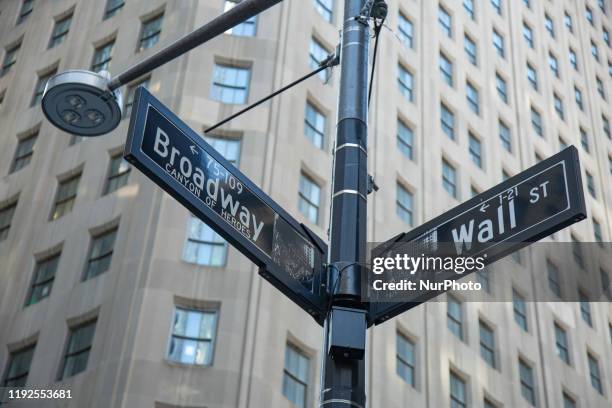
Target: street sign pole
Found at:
x=343, y=377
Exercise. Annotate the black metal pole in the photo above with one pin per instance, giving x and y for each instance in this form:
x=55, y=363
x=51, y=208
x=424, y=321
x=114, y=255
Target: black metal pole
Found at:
x=240, y=13
x=343, y=379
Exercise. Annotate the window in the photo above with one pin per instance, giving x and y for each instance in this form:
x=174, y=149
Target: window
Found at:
x=449, y=178
x=606, y=36
x=584, y=140
x=118, y=173
x=594, y=373
x=585, y=308
x=468, y=5
x=317, y=53
x=247, y=28
x=405, y=139
x=42, y=281
x=60, y=31
x=131, y=93
x=553, y=278
x=230, y=84
x=325, y=8
x=295, y=376
x=315, y=124
x=561, y=343
x=458, y=392
x=454, y=316
x=520, y=310
x=446, y=22
x=204, y=246
x=591, y=185
x=113, y=7
x=405, y=359
x=102, y=57
x=504, y=136
x=498, y=44
x=527, y=3
x=24, y=152
x=606, y=126
x=568, y=22
x=193, y=336
x=497, y=6
x=406, y=30
x=309, y=199
x=229, y=148
x=532, y=76
x=516, y=255
x=65, y=196
x=594, y=51
x=473, y=98
x=6, y=218
x=578, y=97
x=74, y=139
x=475, y=149
x=404, y=204
x=470, y=50
x=536, y=122
x=10, y=58
x=573, y=59
x=559, y=106
x=18, y=368
x=100, y=253
x=482, y=276
x=553, y=63
x=39, y=89
x=405, y=81
x=528, y=34
x=446, y=69
x=150, y=32
x=597, y=232
x=602, y=5
x=550, y=27
x=605, y=283
x=562, y=144
x=589, y=15
x=600, y=88
x=78, y=348
x=447, y=121
x=26, y=9
x=501, y=86
x=568, y=402
x=487, y=344
x=488, y=404
x=577, y=251
x=527, y=383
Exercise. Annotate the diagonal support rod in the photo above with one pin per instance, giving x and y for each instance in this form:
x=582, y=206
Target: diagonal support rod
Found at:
x=329, y=62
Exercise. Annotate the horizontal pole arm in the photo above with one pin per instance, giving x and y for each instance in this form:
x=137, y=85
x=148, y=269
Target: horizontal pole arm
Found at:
x=238, y=14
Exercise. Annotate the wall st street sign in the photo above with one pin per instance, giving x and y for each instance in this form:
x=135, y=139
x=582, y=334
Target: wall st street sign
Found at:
x=177, y=159
x=523, y=209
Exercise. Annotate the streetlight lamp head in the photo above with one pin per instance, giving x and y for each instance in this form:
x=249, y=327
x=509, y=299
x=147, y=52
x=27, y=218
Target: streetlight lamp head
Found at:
x=81, y=102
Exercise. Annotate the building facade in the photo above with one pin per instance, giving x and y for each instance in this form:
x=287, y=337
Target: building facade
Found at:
x=111, y=289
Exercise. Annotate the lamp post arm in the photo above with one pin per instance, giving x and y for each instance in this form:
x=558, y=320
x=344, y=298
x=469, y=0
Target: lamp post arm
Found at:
x=238, y=14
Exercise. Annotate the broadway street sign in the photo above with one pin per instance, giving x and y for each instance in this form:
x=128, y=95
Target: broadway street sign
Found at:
x=177, y=159
x=523, y=209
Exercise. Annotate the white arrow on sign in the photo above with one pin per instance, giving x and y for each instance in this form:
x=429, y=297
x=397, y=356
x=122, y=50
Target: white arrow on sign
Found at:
x=193, y=150
x=484, y=207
